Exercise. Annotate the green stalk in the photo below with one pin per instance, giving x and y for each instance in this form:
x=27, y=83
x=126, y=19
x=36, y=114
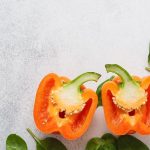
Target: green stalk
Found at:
x=124, y=75
x=148, y=60
x=34, y=136
x=149, y=56
x=147, y=68
x=80, y=80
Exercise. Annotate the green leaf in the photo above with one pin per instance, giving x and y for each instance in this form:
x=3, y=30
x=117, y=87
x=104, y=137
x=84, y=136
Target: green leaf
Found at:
x=98, y=91
x=107, y=146
x=48, y=143
x=15, y=142
x=99, y=144
x=128, y=142
x=109, y=138
x=94, y=143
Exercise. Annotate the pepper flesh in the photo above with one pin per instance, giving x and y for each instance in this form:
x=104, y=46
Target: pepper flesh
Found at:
x=50, y=119
x=120, y=120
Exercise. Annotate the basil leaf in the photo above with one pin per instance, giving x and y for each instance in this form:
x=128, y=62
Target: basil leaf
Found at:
x=98, y=91
x=51, y=143
x=107, y=146
x=94, y=143
x=128, y=142
x=149, y=56
x=15, y=142
x=48, y=143
x=109, y=138
x=148, y=68
x=99, y=144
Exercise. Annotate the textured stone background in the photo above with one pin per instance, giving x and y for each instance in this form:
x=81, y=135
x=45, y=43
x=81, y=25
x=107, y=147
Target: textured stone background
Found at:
x=68, y=38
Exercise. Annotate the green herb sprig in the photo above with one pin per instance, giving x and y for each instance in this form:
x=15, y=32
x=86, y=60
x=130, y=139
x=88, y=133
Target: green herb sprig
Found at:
x=106, y=142
x=15, y=142
x=48, y=143
x=148, y=61
x=110, y=142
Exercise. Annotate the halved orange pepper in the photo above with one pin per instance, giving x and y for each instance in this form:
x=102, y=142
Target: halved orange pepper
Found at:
x=126, y=102
x=64, y=106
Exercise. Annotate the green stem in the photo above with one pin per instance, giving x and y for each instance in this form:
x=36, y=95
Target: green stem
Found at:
x=34, y=136
x=148, y=60
x=147, y=68
x=80, y=80
x=149, y=56
x=125, y=76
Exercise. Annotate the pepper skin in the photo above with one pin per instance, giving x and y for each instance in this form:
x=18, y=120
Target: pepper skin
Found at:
x=120, y=121
x=50, y=119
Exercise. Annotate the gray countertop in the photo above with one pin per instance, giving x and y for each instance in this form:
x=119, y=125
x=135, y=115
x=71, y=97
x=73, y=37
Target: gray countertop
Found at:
x=69, y=38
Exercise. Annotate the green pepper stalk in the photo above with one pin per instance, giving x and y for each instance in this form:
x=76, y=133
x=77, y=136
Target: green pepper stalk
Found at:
x=130, y=95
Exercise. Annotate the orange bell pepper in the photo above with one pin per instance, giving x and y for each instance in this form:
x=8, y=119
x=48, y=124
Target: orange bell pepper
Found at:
x=64, y=106
x=126, y=102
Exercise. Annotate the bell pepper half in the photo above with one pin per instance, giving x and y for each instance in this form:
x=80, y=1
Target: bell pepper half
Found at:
x=126, y=102
x=64, y=106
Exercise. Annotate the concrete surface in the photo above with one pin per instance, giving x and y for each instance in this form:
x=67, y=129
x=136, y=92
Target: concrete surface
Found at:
x=69, y=38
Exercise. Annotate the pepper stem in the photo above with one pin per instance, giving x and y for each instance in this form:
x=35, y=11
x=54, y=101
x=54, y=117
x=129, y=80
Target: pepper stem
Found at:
x=80, y=80
x=124, y=75
x=68, y=98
